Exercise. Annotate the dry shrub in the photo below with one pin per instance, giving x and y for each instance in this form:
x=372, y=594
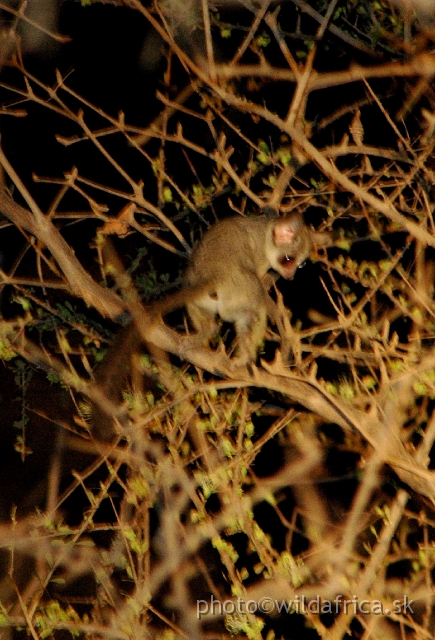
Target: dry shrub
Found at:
x=293, y=499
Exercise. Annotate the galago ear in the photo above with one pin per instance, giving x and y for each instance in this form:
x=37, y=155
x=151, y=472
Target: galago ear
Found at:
x=286, y=229
x=321, y=239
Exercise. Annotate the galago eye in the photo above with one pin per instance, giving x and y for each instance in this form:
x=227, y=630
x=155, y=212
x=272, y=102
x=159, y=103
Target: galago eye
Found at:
x=287, y=260
x=302, y=264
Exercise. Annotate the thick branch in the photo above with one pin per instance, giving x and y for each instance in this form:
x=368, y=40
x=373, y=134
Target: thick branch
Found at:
x=80, y=282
